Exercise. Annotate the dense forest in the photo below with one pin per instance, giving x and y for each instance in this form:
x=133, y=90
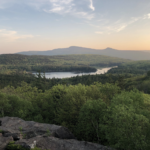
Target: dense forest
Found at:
x=82, y=63
x=134, y=68
x=93, y=113
x=112, y=109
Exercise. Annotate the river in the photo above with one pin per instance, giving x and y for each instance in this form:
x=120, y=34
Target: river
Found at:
x=73, y=74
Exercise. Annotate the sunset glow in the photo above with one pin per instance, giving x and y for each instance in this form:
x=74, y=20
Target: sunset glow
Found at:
x=48, y=24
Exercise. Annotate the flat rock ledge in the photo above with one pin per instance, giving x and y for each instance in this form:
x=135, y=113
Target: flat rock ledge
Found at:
x=45, y=136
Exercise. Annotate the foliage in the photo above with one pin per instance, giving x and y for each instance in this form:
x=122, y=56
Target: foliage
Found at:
x=4, y=105
x=48, y=132
x=123, y=124
x=1, y=131
x=126, y=129
x=13, y=146
x=61, y=60
x=91, y=121
x=105, y=109
x=148, y=73
x=134, y=67
x=127, y=122
x=15, y=63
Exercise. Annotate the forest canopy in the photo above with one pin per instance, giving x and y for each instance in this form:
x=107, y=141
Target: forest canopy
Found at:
x=82, y=63
x=100, y=113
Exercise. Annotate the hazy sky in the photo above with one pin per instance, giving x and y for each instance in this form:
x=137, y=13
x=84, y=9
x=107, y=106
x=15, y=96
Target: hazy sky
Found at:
x=47, y=24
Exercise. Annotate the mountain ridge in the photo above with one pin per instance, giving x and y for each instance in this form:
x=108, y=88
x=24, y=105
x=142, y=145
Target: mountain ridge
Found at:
x=126, y=54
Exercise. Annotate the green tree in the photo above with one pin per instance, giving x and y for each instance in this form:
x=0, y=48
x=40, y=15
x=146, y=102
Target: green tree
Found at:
x=4, y=104
x=91, y=121
x=125, y=129
x=126, y=126
x=148, y=73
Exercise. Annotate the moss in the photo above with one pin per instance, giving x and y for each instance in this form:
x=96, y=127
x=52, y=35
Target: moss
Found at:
x=13, y=146
x=1, y=131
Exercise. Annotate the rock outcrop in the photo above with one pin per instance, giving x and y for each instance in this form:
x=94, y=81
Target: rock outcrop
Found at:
x=45, y=136
x=52, y=143
x=4, y=141
x=14, y=125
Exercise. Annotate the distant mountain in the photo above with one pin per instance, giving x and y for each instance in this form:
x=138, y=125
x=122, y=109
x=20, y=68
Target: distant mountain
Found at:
x=147, y=51
x=126, y=54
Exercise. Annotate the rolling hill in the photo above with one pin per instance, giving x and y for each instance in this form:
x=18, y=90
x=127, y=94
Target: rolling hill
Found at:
x=58, y=63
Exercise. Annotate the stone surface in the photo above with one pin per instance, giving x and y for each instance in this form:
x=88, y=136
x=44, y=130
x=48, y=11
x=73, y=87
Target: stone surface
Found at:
x=16, y=136
x=45, y=136
x=31, y=129
x=53, y=143
x=4, y=141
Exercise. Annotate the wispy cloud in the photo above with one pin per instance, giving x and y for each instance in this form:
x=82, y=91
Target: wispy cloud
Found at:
x=59, y=6
x=121, y=28
x=83, y=9
x=84, y=15
x=91, y=5
x=76, y=8
x=66, y=7
x=119, y=25
x=9, y=35
x=147, y=16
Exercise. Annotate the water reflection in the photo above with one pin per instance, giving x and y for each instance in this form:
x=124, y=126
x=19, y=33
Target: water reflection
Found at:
x=50, y=75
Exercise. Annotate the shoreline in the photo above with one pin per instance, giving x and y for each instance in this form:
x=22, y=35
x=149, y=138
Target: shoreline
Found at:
x=61, y=75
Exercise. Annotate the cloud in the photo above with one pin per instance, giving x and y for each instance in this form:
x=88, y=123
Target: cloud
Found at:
x=67, y=7
x=109, y=27
x=147, y=16
x=9, y=35
x=91, y=5
x=59, y=6
x=56, y=9
x=121, y=28
x=121, y=25
x=74, y=8
x=84, y=15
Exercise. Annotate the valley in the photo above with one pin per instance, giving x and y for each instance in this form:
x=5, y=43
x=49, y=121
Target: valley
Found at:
x=101, y=92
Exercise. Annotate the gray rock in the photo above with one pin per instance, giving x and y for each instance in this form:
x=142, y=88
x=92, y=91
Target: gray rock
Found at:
x=16, y=136
x=31, y=129
x=4, y=141
x=52, y=143
x=44, y=136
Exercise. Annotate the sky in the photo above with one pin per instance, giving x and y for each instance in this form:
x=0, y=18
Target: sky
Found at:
x=31, y=25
